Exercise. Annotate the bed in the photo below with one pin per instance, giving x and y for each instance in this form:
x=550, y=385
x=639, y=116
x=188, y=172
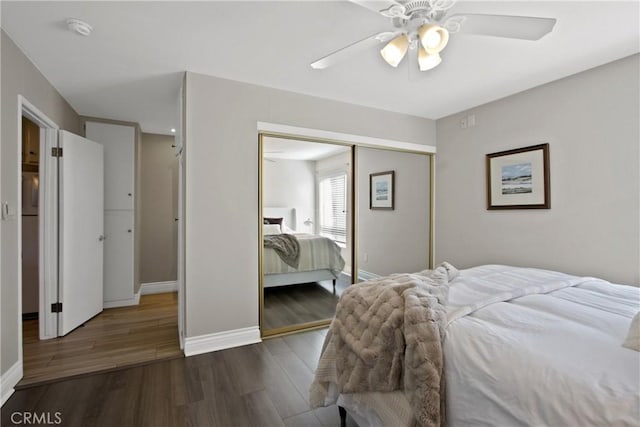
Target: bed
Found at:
x=320, y=257
x=527, y=347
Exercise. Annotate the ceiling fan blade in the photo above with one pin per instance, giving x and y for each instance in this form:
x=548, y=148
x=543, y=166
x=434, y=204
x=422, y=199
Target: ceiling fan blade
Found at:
x=345, y=52
x=515, y=27
x=380, y=6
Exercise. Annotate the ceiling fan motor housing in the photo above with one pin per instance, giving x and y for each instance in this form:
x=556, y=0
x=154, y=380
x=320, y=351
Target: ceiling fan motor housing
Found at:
x=434, y=8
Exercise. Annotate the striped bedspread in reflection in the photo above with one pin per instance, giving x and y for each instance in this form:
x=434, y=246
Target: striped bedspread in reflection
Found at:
x=316, y=253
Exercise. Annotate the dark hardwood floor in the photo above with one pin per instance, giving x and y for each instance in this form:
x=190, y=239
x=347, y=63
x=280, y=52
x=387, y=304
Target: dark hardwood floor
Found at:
x=263, y=384
x=116, y=337
x=297, y=304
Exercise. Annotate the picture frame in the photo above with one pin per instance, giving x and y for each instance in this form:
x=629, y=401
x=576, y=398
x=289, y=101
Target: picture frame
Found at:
x=382, y=190
x=519, y=178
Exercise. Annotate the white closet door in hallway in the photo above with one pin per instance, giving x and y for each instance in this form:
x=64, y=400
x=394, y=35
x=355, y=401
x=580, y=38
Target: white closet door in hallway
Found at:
x=119, y=143
x=119, y=151
x=118, y=256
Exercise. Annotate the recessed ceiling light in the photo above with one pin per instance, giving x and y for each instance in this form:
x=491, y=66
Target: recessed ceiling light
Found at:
x=173, y=130
x=79, y=27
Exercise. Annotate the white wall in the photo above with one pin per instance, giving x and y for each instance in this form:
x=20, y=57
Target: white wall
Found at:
x=591, y=121
x=19, y=77
x=221, y=149
x=291, y=183
x=394, y=241
x=338, y=162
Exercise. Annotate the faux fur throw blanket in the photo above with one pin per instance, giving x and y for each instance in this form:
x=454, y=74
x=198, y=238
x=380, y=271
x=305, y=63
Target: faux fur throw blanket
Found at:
x=286, y=246
x=387, y=335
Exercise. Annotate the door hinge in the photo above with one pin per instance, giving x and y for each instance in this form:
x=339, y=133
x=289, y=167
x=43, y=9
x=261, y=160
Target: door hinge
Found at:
x=56, y=307
x=56, y=152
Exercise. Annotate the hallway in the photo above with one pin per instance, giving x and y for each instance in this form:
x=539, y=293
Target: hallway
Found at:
x=117, y=337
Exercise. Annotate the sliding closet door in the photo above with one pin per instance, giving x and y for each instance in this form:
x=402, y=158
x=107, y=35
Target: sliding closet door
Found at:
x=394, y=222
x=305, y=222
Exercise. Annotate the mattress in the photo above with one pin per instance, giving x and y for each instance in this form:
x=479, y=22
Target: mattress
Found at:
x=530, y=347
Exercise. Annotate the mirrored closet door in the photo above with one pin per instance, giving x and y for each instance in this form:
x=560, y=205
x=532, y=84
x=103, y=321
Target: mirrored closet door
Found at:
x=394, y=212
x=306, y=231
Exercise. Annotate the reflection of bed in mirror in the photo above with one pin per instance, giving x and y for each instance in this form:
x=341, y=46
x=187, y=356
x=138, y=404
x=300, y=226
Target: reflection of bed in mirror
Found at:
x=320, y=257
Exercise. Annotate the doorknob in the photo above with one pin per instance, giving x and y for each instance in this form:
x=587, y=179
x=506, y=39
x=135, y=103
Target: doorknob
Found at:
x=101, y=237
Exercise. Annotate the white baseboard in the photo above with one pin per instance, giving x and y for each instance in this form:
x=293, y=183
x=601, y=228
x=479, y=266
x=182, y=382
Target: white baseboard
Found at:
x=366, y=275
x=158, y=287
x=123, y=302
x=221, y=340
x=9, y=380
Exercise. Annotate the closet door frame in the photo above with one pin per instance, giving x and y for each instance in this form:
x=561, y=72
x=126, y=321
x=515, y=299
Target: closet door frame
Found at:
x=352, y=222
x=354, y=141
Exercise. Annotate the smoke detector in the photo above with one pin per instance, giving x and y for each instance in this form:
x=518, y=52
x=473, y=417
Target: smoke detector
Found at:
x=79, y=27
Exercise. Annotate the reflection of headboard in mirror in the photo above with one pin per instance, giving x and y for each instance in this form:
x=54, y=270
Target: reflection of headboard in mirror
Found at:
x=289, y=215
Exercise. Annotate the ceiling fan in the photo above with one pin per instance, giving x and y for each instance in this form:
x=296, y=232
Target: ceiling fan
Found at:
x=423, y=27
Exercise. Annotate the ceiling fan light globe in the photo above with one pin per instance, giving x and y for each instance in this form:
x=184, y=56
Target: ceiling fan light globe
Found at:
x=428, y=61
x=395, y=50
x=433, y=37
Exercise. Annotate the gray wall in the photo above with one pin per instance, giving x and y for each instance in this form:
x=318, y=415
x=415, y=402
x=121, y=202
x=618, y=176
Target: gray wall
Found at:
x=19, y=76
x=291, y=183
x=158, y=208
x=394, y=241
x=590, y=121
x=222, y=185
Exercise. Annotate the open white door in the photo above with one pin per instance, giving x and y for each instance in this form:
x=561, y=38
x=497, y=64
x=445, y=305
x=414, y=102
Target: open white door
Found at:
x=81, y=204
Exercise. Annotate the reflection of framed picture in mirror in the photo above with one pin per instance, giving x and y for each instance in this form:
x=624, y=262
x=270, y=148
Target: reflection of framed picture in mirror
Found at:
x=381, y=190
x=519, y=179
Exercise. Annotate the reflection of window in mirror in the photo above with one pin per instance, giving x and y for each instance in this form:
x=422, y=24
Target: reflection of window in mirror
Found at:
x=333, y=207
x=306, y=191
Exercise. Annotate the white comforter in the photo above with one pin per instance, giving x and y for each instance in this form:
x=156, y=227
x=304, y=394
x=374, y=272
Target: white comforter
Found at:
x=547, y=359
x=316, y=253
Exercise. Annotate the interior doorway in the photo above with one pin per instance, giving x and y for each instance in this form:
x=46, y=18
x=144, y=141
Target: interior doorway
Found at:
x=54, y=342
x=29, y=167
x=37, y=217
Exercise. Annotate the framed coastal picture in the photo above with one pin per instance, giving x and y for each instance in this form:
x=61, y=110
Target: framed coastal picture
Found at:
x=519, y=179
x=381, y=190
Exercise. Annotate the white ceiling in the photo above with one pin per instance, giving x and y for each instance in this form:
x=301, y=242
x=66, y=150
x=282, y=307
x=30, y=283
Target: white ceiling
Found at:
x=292, y=149
x=130, y=68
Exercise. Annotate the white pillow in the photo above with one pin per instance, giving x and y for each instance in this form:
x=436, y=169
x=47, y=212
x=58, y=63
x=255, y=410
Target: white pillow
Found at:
x=633, y=337
x=271, y=229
